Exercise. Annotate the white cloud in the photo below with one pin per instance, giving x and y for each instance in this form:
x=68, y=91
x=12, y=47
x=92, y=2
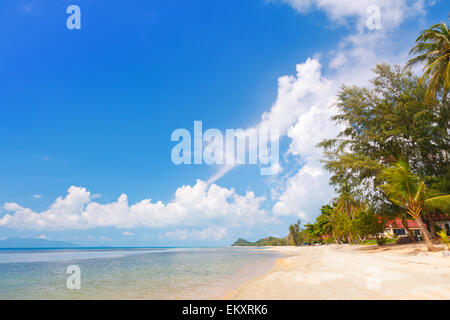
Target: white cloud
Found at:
x=305, y=193
x=192, y=205
x=338, y=61
x=210, y=233
x=43, y=236
x=37, y=196
x=296, y=95
x=393, y=12
x=128, y=234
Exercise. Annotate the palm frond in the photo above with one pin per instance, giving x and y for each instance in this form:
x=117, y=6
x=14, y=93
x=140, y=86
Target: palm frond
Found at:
x=433, y=50
x=440, y=202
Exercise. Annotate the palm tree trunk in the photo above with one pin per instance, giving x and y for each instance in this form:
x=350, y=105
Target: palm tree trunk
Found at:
x=350, y=238
x=428, y=243
x=408, y=231
x=431, y=225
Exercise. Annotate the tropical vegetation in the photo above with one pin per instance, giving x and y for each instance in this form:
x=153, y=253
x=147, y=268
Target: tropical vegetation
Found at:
x=390, y=160
x=268, y=241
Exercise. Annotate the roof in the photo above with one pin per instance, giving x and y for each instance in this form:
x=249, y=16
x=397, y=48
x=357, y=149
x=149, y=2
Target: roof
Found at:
x=397, y=224
x=412, y=224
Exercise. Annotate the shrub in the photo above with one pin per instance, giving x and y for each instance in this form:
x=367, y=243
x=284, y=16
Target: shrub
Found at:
x=381, y=240
x=444, y=238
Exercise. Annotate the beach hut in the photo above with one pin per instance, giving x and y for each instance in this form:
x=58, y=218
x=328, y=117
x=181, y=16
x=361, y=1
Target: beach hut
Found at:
x=396, y=227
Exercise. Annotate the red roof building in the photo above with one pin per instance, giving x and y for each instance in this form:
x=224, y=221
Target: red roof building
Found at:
x=396, y=226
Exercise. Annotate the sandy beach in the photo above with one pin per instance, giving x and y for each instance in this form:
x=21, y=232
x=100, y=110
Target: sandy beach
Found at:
x=352, y=272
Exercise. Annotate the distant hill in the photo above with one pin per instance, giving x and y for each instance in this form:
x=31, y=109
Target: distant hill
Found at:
x=268, y=241
x=34, y=243
x=242, y=242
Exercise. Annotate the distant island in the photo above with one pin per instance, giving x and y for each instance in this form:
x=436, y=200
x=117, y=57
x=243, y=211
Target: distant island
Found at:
x=268, y=241
x=16, y=242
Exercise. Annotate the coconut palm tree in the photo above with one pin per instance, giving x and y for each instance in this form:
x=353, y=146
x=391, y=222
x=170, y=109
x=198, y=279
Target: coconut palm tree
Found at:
x=433, y=49
x=407, y=190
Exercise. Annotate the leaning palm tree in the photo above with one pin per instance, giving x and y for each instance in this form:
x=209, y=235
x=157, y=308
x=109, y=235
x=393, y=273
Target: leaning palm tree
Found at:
x=433, y=49
x=407, y=190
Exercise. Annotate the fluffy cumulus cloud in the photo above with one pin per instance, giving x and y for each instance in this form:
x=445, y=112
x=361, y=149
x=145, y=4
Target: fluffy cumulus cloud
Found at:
x=304, y=193
x=312, y=99
x=297, y=95
x=192, y=205
x=303, y=111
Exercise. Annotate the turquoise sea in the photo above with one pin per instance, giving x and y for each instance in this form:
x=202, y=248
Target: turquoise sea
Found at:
x=130, y=273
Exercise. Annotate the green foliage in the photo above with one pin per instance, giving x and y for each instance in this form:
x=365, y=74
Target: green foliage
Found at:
x=401, y=185
x=268, y=241
x=406, y=189
x=273, y=241
x=371, y=242
x=381, y=241
x=242, y=242
x=383, y=125
x=294, y=233
x=367, y=223
x=433, y=50
x=390, y=125
x=444, y=238
x=336, y=225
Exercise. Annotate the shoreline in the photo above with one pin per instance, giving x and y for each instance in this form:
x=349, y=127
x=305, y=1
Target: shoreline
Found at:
x=228, y=283
x=348, y=272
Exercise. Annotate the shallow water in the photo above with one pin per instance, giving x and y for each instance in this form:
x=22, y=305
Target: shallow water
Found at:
x=130, y=273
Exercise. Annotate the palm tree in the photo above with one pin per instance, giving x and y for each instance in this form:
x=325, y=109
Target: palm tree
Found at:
x=327, y=214
x=433, y=49
x=346, y=202
x=407, y=190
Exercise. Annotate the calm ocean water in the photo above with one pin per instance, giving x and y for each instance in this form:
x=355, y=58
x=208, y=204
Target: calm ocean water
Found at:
x=130, y=273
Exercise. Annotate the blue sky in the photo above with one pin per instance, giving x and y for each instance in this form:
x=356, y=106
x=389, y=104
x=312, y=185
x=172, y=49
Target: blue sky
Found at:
x=95, y=108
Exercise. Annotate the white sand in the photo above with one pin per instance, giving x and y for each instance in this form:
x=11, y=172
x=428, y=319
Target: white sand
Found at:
x=352, y=272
